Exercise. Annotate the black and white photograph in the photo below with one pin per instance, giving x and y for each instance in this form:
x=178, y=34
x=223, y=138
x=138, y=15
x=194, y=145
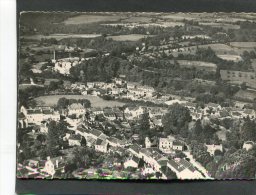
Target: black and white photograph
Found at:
x=136, y=96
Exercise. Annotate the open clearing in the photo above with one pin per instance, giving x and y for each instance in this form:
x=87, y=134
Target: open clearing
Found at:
x=61, y=36
x=243, y=44
x=96, y=101
x=92, y=18
x=130, y=37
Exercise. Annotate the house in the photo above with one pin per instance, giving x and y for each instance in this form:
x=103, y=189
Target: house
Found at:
x=95, y=133
x=152, y=156
x=90, y=85
x=52, y=165
x=132, y=162
x=178, y=145
x=212, y=148
x=74, y=140
x=184, y=169
x=114, y=142
x=135, y=149
x=97, y=110
x=39, y=114
x=131, y=85
x=147, y=142
x=76, y=109
x=101, y=146
x=22, y=121
x=248, y=145
x=166, y=144
x=90, y=141
x=134, y=111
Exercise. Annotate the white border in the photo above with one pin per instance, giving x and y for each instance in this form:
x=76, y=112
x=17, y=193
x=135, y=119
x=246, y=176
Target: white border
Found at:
x=8, y=96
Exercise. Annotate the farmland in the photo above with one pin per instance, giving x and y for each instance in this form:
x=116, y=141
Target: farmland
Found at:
x=130, y=37
x=247, y=45
x=91, y=18
x=96, y=101
x=60, y=36
x=198, y=64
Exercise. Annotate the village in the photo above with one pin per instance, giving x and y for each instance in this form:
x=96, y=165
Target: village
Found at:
x=170, y=99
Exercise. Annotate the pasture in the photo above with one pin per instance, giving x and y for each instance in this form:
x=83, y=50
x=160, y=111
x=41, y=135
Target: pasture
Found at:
x=247, y=45
x=59, y=37
x=51, y=100
x=130, y=37
x=93, y=18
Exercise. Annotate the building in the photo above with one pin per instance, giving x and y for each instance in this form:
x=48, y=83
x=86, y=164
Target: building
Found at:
x=248, y=145
x=184, y=169
x=132, y=162
x=52, y=165
x=39, y=114
x=135, y=149
x=212, y=148
x=101, y=146
x=147, y=142
x=74, y=140
x=76, y=109
x=166, y=144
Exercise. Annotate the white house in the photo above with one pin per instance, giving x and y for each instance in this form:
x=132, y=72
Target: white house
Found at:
x=212, y=148
x=147, y=142
x=53, y=165
x=132, y=162
x=74, y=140
x=165, y=144
x=77, y=109
x=184, y=169
x=248, y=145
x=101, y=145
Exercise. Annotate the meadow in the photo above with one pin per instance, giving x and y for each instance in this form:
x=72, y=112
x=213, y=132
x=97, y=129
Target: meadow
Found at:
x=96, y=101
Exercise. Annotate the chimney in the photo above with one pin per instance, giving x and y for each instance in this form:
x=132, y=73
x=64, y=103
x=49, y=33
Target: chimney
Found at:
x=48, y=158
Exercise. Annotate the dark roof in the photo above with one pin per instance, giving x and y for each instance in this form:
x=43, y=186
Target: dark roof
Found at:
x=21, y=115
x=99, y=141
x=32, y=111
x=135, y=159
x=136, y=148
x=96, y=132
x=47, y=111
x=176, y=166
x=178, y=143
x=75, y=137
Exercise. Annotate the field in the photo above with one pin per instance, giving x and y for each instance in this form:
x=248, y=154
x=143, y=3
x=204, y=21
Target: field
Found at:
x=225, y=26
x=198, y=64
x=246, y=94
x=92, y=18
x=130, y=37
x=60, y=36
x=234, y=58
x=248, y=45
x=95, y=100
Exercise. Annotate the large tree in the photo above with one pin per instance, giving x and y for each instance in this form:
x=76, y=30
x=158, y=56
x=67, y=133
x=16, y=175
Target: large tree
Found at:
x=176, y=119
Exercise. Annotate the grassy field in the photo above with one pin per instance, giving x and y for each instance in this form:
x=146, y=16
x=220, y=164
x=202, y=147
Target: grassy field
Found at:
x=246, y=94
x=130, y=37
x=250, y=45
x=60, y=36
x=198, y=64
x=92, y=18
x=96, y=101
x=235, y=58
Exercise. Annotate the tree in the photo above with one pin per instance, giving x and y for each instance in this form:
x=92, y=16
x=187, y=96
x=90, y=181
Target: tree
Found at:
x=62, y=103
x=83, y=141
x=176, y=119
x=56, y=132
x=249, y=130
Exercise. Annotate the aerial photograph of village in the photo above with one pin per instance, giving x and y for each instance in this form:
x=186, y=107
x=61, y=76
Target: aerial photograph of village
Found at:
x=139, y=96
